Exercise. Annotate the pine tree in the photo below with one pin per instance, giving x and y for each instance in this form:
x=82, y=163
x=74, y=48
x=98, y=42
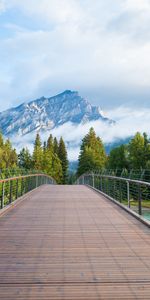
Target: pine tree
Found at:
x=1, y=140
x=9, y=156
x=62, y=154
x=136, y=148
x=139, y=151
x=57, y=171
x=146, y=153
x=44, y=160
x=51, y=164
x=37, y=153
x=50, y=143
x=25, y=159
x=44, y=147
x=92, y=153
x=55, y=146
x=118, y=158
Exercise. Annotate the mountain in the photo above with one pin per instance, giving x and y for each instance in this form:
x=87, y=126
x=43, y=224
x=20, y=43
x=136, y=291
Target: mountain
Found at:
x=45, y=114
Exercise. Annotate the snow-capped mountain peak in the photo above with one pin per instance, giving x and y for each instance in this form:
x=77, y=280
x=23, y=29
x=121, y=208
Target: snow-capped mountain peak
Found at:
x=48, y=113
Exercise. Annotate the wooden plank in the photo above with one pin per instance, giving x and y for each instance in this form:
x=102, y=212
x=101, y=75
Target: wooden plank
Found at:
x=68, y=242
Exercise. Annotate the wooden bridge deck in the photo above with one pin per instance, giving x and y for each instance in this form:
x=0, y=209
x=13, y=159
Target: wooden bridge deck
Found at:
x=68, y=242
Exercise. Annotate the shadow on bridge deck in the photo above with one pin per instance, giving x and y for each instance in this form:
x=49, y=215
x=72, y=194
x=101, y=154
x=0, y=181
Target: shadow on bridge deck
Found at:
x=68, y=242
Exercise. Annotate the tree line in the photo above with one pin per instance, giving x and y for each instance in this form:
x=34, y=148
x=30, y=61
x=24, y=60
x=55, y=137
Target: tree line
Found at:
x=50, y=157
x=134, y=155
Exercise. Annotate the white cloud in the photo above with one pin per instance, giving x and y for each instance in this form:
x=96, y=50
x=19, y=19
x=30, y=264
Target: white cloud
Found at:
x=76, y=45
x=51, y=11
x=2, y=6
x=128, y=122
x=135, y=5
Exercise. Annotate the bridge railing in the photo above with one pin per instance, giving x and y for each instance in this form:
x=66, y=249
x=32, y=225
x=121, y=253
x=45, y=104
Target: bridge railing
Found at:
x=134, y=194
x=14, y=172
x=15, y=187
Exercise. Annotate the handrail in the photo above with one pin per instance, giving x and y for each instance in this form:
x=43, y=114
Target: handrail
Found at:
x=9, y=173
x=131, y=193
x=136, y=174
x=125, y=179
x=25, y=176
x=15, y=187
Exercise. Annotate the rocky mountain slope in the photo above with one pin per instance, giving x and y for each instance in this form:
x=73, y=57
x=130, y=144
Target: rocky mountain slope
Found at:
x=45, y=114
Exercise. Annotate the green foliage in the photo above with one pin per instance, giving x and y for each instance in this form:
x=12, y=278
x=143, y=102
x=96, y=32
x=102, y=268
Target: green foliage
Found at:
x=62, y=154
x=72, y=178
x=139, y=151
x=8, y=155
x=118, y=158
x=92, y=153
x=135, y=155
x=57, y=172
x=55, y=146
x=37, y=153
x=25, y=159
x=44, y=158
x=52, y=165
x=50, y=143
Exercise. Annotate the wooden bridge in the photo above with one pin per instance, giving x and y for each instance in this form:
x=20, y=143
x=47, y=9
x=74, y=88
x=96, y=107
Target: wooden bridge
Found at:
x=69, y=242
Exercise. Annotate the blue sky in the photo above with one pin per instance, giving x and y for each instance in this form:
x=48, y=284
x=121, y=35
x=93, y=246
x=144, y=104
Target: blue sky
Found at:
x=99, y=47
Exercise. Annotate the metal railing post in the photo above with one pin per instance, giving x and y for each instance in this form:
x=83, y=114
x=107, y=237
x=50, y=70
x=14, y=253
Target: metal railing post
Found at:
x=22, y=186
x=140, y=201
x=120, y=188
x=17, y=189
x=114, y=187
x=3, y=195
x=93, y=181
x=83, y=179
x=10, y=192
x=128, y=193
x=36, y=181
x=101, y=187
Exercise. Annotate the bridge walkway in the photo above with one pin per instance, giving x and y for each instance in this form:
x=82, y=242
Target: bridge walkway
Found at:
x=69, y=242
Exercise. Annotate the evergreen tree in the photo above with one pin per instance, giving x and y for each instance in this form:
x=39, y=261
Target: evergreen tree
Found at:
x=57, y=171
x=92, y=153
x=51, y=164
x=50, y=143
x=37, y=153
x=136, y=151
x=146, y=153
x=44, y=147
x=55, y=146
x=62, y=154
x=1, y=140
x=118, y=158
x=25, y=159
x=139, y=151
x=9, y=155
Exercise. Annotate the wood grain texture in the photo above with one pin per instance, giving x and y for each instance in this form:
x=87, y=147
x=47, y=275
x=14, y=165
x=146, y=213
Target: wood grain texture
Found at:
x=68, y=242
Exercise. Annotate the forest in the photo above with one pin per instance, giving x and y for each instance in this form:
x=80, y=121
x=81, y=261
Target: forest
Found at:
x=133, y=156
x=51, y=157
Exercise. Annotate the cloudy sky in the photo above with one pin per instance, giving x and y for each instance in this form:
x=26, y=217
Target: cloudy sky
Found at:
x=99, y=47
